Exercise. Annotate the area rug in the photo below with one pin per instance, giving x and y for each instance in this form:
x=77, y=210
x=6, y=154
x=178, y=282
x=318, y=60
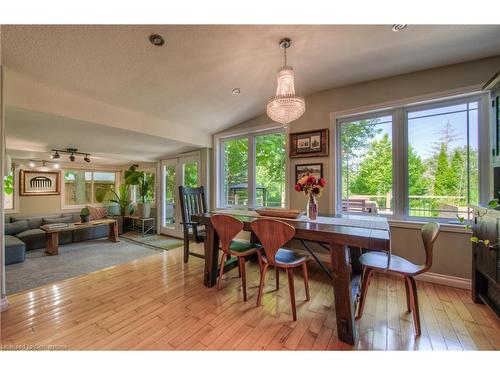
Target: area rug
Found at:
x=74, y=259
x=156, y=241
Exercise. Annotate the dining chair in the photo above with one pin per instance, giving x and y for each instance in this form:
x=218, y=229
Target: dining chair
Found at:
x=273, y=234
x=192, y=202
x=377, y=261
x=227, y=227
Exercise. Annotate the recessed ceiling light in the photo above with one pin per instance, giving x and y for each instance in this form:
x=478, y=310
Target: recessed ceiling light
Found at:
x=56, y=166
x=236, y=91
x=156, y=40
x=399, y=27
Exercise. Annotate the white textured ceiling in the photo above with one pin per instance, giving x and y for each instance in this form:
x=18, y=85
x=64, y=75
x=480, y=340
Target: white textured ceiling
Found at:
x=189, y=80
x=31, y=135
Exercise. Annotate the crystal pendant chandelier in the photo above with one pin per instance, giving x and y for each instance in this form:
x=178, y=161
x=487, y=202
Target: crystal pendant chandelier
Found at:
x=285, y=107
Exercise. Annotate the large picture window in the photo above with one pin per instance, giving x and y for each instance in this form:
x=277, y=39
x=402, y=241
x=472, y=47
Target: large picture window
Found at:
x=252, y=170
x=430, y=150
x=80, y=186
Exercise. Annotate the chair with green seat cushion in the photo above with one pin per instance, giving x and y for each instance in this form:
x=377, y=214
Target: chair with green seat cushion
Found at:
x=227, y=227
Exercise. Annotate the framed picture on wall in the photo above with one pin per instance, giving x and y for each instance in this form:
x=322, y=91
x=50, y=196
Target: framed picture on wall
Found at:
x=302, y=170
x=39, y=183
x=309, y=144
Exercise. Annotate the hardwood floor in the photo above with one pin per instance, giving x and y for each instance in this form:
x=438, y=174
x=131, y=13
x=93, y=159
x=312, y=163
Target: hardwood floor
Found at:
x=159, y=303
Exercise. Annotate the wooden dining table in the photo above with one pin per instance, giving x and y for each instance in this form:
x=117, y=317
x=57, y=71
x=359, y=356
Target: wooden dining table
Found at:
x=343, y=235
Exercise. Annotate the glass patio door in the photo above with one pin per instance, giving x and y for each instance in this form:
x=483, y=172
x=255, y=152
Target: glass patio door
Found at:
x=183, y=171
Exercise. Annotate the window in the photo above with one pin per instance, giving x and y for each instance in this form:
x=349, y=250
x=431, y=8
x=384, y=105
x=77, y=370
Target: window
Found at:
x=366, y=159
x=443, y=160
x=80, y=186
x=431, y=150
x=253, y=170
x=134, y=191
x=9, y=190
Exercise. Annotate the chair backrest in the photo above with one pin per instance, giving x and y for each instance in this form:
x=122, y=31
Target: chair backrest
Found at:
x=192, y=202
x=429, y=232
x=272, y=234
x=227, y=227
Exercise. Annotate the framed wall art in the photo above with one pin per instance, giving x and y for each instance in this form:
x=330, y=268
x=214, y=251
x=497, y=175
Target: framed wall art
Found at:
x=309, y=144
x=313, y=169
x=39, y=183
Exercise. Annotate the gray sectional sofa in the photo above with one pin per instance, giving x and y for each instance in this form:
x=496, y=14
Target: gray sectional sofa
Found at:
x=23, y=233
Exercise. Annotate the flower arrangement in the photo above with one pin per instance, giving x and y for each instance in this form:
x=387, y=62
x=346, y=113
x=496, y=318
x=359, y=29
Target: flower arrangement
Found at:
x=312, y=187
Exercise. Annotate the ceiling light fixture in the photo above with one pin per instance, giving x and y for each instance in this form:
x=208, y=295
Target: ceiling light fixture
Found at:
x=72, y=152
x=285, y=106
x=56, y=166
x=32, y=164
x=236, y=91
x=399, y=27
x=156, y=40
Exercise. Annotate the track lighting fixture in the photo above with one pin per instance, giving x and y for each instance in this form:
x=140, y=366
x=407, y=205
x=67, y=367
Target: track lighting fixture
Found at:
x=72, y=152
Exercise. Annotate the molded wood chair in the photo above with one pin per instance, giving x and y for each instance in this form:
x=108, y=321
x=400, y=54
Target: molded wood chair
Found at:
x=227, y=227
x=376, y=261
x=273, y=234
x=192, y=202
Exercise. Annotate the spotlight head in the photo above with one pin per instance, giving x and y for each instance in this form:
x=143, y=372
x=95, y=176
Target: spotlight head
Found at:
x=72, y=157
x=56, y=155
x=86, y=158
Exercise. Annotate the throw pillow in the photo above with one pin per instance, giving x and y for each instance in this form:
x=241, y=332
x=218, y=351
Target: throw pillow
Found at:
x=97, y=213
x=16, y=227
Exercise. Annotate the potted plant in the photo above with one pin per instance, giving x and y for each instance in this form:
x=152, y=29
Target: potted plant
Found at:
x=85, y=215
x=145, y=185
x=122, y=198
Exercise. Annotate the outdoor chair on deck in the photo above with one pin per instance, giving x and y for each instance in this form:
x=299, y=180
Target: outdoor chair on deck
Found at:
x=192, y=202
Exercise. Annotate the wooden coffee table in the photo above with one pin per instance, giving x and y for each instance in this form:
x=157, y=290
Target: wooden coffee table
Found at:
x=52, y=234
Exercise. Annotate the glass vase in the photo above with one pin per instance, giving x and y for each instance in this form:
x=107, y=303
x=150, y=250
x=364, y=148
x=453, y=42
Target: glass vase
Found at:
x=312, y=207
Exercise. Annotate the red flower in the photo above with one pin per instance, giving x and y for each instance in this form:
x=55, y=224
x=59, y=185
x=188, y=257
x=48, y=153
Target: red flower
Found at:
x=315, y=190
x=298, y=187
x=322, y=182
x=311, y=180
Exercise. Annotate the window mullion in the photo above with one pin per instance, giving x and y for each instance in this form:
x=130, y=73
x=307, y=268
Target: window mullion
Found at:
x=251, y=173
x=399, y=164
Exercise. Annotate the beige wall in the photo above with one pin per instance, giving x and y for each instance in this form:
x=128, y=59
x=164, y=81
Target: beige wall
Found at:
x=453, y=251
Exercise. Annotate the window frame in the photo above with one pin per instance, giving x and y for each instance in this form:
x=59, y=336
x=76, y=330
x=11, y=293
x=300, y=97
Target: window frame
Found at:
x=65, y=206
x=15, y=193
x=400, y=143
x=251, y=135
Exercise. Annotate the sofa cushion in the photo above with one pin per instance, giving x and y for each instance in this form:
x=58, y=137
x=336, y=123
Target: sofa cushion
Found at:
x=113, y=209
x=16, y=227
x=35, y=222
x=15, y=250
x=55, y=220
x=33, y=238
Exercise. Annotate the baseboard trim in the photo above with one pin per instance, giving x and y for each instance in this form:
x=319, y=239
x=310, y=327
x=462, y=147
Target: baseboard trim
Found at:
x=4, y=304
x=436, y=278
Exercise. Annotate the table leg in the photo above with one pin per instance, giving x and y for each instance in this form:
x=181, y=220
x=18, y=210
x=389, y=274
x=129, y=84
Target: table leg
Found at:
x=344, y=308
x=211, y=256
x=113, y=232
x=52, y=243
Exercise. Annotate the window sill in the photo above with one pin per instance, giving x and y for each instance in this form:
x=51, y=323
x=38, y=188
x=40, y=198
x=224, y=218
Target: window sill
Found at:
x=415, y=224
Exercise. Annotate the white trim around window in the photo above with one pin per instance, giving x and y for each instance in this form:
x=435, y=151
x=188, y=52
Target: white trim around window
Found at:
x=398, y=110
x=251, y=134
